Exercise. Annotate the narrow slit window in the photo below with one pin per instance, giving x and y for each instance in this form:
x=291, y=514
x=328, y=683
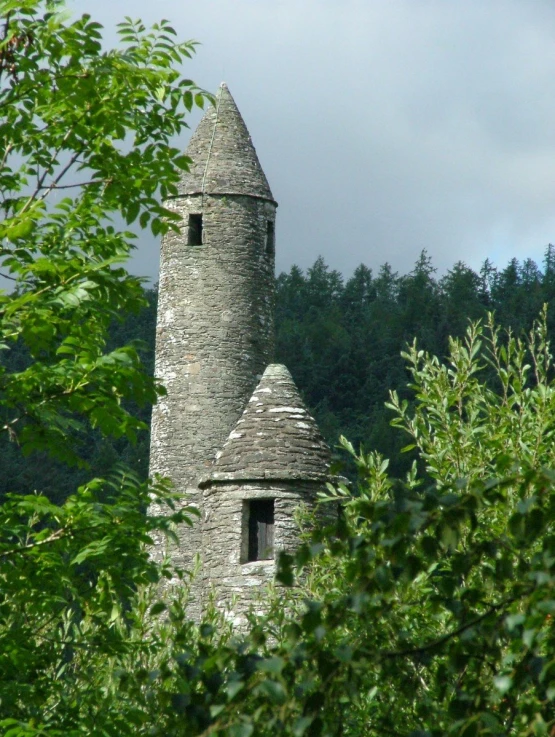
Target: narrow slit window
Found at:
x=195, y=230
x=261, y=529
x=270, y=238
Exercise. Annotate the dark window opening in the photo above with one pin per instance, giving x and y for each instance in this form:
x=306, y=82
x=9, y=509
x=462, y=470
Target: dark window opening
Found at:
x=261, y=529
x=270, y=238
x=195, y=230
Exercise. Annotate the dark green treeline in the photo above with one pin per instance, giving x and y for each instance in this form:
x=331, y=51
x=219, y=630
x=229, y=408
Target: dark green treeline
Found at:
x=341, y=340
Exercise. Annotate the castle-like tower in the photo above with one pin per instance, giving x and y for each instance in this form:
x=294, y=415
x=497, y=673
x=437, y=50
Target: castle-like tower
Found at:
x=214, y=333
x=214, y=341
x=274, y=461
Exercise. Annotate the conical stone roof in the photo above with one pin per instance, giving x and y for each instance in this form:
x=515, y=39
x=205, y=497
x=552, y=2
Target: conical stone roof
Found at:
x=224, y=158
x=275, y=439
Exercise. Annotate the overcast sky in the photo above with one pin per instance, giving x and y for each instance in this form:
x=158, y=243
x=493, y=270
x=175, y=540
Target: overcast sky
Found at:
x=384, y=126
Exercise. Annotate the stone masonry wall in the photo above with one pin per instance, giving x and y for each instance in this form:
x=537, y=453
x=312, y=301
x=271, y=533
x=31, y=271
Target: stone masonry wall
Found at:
x=214, y=340
x=238, y=585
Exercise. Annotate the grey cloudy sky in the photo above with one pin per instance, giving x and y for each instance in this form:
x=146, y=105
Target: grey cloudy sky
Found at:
x=384, y=126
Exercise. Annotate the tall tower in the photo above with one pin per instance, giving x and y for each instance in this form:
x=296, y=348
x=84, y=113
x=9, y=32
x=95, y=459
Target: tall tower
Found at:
x=215, y=307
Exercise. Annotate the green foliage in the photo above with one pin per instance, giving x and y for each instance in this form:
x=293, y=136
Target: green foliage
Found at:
x=85, y=136
x=57, y=480
x=425, y=609
x=69, y=574
x=342, y=340
x=428, y=606
x=95, y=124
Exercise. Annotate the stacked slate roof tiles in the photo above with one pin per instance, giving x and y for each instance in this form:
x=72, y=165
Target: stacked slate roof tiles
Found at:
x=275, y=439
x=224, y=158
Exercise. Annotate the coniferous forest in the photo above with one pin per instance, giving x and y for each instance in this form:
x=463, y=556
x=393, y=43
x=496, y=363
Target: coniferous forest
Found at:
x=342, y=340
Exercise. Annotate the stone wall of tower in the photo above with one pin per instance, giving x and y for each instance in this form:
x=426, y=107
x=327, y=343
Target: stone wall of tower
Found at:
x=215, y=311
x=236, y=584
x=214, y=339
x=275, y=459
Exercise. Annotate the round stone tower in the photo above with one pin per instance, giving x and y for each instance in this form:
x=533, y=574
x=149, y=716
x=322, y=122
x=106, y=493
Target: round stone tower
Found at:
x=215, y=307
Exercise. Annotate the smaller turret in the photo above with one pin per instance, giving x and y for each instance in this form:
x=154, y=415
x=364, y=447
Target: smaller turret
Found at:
x=274, y=461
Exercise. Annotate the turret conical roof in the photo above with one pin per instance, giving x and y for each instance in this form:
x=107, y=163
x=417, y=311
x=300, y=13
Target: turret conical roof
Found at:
x=276, y=438
x=224, y=158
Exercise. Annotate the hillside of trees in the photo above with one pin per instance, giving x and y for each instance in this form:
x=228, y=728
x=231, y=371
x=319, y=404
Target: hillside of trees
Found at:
x=342, y=341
